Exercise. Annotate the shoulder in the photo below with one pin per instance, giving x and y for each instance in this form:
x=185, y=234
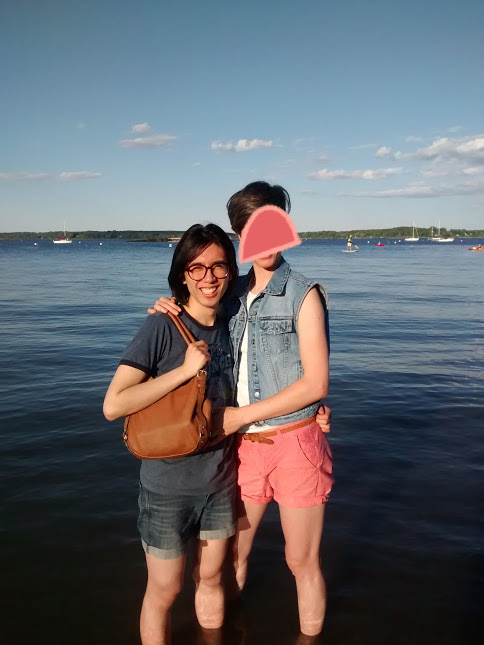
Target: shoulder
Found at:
x=155, y=325
x=307, y=285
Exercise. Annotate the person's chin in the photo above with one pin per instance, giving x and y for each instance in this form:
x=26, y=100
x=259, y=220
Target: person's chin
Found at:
x=269, y=261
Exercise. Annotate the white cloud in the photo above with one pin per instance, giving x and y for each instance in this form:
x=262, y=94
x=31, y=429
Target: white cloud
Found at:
x=455, y=128
x=473, y=171
x=384, y=151
x=371, y=175
x=155, y=141
x=364, y=146
x=77, y=175
x=412, y=139
x=22, y=176
x=468, y=149
x=242, y=145
x=141, y=128
x=195, y=164
x=471, y=187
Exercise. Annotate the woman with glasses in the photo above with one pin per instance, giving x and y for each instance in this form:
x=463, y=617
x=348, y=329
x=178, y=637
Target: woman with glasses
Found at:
x=194, y=496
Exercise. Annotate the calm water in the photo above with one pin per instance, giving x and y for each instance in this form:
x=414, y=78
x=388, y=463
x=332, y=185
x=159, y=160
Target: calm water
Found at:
x=402, y=548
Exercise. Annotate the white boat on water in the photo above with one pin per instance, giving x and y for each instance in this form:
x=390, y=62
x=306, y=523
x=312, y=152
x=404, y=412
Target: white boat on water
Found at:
x=63, y=239
x=414, y=238
x=438, y=238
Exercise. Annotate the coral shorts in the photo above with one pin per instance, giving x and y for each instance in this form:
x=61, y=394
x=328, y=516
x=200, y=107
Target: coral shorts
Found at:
x=296, y=470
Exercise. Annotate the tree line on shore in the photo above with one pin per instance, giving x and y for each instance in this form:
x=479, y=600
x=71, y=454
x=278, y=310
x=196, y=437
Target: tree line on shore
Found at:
x=166, y=236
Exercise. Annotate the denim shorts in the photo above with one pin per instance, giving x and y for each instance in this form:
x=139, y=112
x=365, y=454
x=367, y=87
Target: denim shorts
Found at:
x=167, y=522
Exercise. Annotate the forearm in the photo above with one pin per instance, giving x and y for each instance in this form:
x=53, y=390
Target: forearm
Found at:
x=120, y=403
x=298, y=395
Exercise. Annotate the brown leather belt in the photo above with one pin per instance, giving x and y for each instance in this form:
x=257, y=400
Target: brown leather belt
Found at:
x=261, y=437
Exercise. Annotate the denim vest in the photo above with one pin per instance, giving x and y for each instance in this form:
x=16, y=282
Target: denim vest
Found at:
x=274, y=360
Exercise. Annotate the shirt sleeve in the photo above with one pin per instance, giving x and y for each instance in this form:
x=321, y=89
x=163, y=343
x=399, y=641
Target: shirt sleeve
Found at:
x=149, y=344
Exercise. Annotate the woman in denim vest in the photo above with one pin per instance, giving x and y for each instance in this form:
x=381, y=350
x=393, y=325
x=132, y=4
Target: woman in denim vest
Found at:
x=279, y=332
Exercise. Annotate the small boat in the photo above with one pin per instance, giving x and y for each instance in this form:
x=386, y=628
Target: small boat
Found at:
x=349, y=251
x=379, y=244
x=437, y=238
x=63, y=239
x=414, y=238
x=476, y=248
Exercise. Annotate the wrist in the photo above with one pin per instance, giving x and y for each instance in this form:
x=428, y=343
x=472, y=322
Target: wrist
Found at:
x=184, y=376
x=243, y=416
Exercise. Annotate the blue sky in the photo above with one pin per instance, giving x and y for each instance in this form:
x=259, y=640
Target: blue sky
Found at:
x=148, y=115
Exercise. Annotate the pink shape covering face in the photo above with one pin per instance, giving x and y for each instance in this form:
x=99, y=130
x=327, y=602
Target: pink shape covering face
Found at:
x=268, y=230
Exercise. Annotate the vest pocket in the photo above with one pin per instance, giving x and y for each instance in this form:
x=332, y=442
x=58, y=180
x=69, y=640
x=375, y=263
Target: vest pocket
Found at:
x=276, y=335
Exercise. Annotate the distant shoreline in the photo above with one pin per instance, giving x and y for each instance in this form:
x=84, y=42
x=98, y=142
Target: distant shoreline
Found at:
x=173, y=236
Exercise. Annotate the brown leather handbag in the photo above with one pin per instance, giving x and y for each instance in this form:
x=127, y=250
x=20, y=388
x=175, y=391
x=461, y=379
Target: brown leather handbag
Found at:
x=176, y=425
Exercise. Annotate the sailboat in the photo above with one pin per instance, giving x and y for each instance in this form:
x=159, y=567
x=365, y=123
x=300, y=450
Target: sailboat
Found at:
x=438, y=238
x=414, y=238
x=64, y=239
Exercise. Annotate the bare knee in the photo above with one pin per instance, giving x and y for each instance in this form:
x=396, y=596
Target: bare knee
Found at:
x=162, y=594
x=207, y=576
x=303, y=564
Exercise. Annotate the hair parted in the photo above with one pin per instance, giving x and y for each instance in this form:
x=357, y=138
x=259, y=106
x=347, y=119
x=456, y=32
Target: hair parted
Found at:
x=259, y=193
x=193, y=242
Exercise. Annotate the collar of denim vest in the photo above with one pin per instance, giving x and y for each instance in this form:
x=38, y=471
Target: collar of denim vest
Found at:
x=274, y=287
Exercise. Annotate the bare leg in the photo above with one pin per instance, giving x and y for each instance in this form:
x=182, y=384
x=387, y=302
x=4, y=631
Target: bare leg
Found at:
x=209, y=593
x=303, y=529
x=165, y=579
x=249, y=519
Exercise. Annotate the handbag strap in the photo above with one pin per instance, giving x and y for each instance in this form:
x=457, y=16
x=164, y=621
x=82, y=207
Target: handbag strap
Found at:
x=182, y=328
x=203, y=424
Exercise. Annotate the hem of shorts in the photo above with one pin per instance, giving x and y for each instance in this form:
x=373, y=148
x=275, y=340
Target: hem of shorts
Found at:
x=162, y=554
x=218, y=534
x=255, y=500
x=297, y=502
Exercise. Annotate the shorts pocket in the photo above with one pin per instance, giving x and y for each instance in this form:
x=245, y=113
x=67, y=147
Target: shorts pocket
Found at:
x=312, y=450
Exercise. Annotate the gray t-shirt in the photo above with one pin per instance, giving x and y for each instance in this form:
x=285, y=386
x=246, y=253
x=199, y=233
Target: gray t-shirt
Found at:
x=158, y=348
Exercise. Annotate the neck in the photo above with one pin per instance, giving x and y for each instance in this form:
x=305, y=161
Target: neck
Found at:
x=261, y=278
x=204, y=315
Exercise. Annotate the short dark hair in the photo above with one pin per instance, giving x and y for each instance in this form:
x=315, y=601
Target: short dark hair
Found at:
x=193, y=242
x=259, y=193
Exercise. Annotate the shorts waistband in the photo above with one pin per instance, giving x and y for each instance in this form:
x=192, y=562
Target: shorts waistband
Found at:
x=263, y=437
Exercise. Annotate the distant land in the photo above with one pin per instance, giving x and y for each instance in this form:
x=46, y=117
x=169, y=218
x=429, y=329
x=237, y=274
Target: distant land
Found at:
x=167, y=236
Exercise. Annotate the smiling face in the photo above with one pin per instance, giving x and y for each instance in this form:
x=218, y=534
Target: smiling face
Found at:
x=207, y=292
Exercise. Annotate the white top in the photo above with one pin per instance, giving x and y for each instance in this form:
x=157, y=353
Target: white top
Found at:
x=243, y=376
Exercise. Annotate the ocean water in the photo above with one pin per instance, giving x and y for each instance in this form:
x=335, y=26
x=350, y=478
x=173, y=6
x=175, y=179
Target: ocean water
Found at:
x=403, y=541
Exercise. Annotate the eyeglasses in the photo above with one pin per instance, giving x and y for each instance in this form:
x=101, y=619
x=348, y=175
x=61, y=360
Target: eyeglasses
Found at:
x=198, y=271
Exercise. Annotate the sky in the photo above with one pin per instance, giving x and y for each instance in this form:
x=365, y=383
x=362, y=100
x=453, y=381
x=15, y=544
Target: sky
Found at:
x=149, y=114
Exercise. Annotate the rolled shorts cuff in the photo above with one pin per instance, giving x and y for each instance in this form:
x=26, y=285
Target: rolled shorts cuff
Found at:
x=163, y=554
x=220, y=534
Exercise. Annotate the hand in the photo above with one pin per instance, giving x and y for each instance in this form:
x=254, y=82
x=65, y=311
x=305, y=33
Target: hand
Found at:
x=323, y=418
x=225, y=421
x=217, y=432
x=165, y=305
x=196, y=357
x=233, y=420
